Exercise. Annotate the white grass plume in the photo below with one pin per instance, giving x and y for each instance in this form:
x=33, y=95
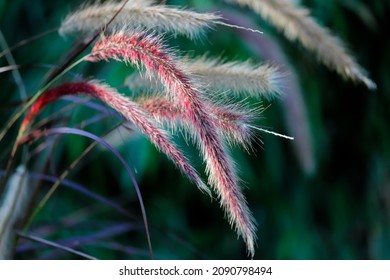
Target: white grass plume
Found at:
x=297, y=24
x=239, y=78
x=134, y=15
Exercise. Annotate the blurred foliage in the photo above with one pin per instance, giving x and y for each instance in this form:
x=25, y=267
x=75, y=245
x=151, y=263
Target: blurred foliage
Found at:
x=339, y=211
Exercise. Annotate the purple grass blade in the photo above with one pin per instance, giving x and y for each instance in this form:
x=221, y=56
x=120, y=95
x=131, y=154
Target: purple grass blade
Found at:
x=83, y=190
x=121, y=248
x=75, y=131
x=110, y=230
x=55, y=245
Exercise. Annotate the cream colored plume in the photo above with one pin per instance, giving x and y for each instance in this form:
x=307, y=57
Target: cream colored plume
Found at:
x=237, y=77
x=297, y=24
x=137, y=14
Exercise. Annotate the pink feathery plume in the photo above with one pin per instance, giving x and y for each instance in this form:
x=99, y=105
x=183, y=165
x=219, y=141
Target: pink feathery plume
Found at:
x=145, y=49
x=130, y=110
x=234, y=122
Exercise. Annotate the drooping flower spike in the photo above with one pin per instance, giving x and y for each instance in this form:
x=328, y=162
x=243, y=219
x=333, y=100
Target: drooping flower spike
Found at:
x=140, y=48
x=233, y=78
x=297, y=24
x=234, y=121
x=130, y=110
x=136, y=14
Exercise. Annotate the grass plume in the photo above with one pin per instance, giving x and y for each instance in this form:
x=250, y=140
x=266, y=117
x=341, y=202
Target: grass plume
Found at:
x=129, y=110
x=297, y=24
x=196, y=94
x=139, y=48
x=233, y=121
x=137, y=14
x=239, y=78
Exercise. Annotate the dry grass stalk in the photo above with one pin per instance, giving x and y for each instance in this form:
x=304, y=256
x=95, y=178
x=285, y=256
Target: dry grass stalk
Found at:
x=297, y=24
x=134, y=15
x=140, y=48
x=12, y=209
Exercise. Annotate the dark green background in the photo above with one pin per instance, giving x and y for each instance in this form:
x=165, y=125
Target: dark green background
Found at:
x=338, y=211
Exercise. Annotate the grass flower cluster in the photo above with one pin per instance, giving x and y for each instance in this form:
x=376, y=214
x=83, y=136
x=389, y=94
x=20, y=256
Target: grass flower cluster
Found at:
x=133, y=32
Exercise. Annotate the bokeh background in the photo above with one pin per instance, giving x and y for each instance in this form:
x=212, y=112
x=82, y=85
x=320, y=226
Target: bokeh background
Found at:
x=325, y=195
